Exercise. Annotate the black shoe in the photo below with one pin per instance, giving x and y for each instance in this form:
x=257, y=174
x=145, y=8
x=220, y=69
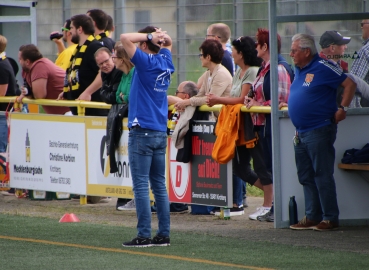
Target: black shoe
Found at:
x=268, y=217
x=159, y=241
x=138, y=242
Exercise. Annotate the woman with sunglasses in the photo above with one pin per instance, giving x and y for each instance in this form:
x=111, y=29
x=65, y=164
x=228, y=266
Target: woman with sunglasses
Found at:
x=217, y=79
x=262, y=97
x=245, y=57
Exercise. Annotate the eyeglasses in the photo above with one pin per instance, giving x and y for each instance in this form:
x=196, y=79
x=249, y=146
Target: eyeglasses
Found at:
x=293, y=51
x=201, y=54
x=212, y=36
x=239, y=39
x=178, y=92
x=65, y=29
x=104, y=62
x=362, y=24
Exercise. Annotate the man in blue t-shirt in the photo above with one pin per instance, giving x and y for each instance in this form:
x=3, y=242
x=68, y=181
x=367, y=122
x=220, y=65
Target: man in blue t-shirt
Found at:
x=313, y=111
x=147, y=120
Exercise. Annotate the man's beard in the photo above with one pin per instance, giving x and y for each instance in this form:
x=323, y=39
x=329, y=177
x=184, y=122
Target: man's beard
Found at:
x=75, y=39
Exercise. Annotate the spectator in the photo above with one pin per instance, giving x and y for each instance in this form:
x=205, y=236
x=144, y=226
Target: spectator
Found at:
x=245, y=57
x=110, y=28
x=360, y=66
x=44, y=79
x=333, y=46
x=222, y=33
x=185, y=90
x=83, y=79
x=101, y=19
x=262, y=97
x=147, y=120
x=313, y=111
x=123, y=63
x=7, y=88
x=64, y=54
x=217, y=79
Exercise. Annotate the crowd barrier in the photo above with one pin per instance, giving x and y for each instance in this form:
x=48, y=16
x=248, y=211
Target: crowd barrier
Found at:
x=60, y=153
x=67, y=154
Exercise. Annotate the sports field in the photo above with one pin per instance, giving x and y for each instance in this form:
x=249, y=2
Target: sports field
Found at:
x=32, y=238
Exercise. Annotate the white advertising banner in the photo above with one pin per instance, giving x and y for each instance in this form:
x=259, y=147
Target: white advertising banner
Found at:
x=47, y=152
x=100, y=180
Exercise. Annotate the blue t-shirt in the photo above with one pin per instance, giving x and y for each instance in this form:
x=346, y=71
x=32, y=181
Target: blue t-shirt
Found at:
x=312, y=100
x=148, y=105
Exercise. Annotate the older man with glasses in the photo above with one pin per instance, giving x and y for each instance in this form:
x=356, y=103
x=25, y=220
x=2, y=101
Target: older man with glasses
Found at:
x=64, y=54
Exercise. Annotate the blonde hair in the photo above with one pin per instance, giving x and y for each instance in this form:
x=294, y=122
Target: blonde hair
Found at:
x=3, y=42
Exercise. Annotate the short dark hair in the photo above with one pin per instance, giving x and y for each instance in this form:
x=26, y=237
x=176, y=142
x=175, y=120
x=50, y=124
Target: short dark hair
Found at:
x=30, y=52
x=263, y=38
x=150, y=29
x=213, y=48
x=246, y=46
x=110, y=25
x=84, y=21
x=67, y=23
x=99, y=17
x=191, y=89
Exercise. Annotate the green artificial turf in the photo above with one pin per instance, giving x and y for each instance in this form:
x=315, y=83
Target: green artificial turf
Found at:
x=99, y=247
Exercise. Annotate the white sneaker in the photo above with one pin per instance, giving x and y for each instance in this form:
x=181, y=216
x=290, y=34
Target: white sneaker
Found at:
x=260, y=211
x=129, y=206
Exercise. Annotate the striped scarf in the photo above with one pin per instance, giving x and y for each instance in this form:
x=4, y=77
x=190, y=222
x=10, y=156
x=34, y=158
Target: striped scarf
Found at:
x=101, y=35
x=71, y=81
x=2, y=56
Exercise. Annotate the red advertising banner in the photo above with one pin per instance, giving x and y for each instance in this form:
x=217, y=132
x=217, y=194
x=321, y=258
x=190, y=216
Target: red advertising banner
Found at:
x=203, y=180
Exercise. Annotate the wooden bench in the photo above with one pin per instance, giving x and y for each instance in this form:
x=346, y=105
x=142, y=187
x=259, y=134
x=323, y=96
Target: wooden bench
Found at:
x=361, y=169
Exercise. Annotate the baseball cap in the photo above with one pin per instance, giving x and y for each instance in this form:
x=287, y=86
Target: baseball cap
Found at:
x=333, y=38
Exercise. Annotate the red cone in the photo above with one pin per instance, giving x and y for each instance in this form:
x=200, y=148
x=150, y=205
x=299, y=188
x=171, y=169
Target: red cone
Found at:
x=69, y=218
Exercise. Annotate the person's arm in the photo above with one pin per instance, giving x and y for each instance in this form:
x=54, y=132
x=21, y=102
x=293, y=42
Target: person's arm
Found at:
x=92, y=88
x=173, y=100
x=39, y=88
x=129, y=39
x=3, y=89
x=349, y=87
x=213, y=99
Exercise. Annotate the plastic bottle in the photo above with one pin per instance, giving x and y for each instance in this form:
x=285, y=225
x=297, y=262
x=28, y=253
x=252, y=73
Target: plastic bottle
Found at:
x=292, y=208
x=226, y=213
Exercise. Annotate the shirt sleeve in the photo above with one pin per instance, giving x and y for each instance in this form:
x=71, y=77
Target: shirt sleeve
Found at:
x=284, y=84
x=360, y=66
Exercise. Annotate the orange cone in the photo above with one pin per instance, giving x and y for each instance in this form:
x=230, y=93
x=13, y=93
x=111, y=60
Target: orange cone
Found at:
x=69, y=218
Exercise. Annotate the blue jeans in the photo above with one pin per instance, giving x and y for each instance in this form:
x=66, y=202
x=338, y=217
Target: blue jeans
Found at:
x=237, y=190
x=315, y=155
x=3, y=134
x=146, y=153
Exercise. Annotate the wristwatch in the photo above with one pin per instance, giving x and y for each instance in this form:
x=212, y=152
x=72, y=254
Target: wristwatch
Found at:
x=149, y=37
x=345, y=108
